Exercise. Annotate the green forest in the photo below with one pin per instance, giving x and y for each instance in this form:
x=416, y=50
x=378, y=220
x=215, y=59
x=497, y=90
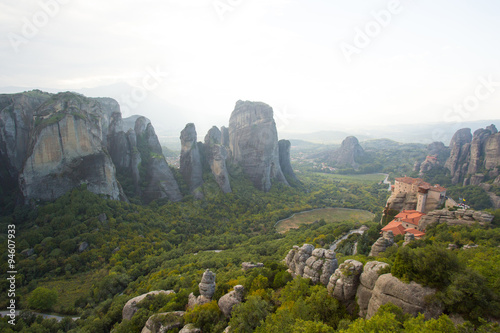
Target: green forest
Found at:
x=85, y=256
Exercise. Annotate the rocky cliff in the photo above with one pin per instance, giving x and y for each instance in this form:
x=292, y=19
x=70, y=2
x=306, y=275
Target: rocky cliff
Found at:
x=139, y=147
x=52, y=143
x=437, y=154
x=191, y=163
x=253, y=141
x=216, y=155
x=474, y=158
x=459, y=217
x=367, y=286
x=349, y=153
x=286, y=165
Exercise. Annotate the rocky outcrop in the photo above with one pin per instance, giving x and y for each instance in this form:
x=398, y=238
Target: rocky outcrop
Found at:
x=163, y=322
x=190, y=164
x=66, y=149
x=403, y=201
x=308, y=262
x=229, y=300
x=349, y=153
x=343, y=284
x=246, y=266
x=471, y=155
x=224, y=131
x=492, y=152
x=52, y=143
x=126, y=149
x=495, y=199
x=459, y=153
x=458, y=217
x=190, y=328
x=382, y=244
x=286, y=165
x=216, y=155
x=410, y=297
x=476, y=149
x=206, y=288
x=371, y=272
x=131, y=308
x=409, y=237
x=253, y=141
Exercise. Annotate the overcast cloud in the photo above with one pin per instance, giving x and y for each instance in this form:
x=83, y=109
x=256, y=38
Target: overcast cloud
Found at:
x=296, y=55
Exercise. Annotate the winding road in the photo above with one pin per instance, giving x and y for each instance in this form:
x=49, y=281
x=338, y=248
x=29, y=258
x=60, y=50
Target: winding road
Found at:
x=45, y=316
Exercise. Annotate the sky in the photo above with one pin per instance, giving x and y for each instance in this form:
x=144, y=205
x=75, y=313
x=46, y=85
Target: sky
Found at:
x=321, y=64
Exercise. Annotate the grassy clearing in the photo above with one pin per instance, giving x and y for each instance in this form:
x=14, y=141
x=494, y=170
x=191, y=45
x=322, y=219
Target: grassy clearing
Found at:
x=330, y=215
x=358, y=179
x=70, y=289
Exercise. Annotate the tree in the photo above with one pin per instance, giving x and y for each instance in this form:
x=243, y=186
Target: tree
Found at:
x=248, y=315
x=42, y=299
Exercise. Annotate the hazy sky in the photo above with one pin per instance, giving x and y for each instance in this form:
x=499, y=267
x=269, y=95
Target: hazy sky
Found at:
x=321, y=64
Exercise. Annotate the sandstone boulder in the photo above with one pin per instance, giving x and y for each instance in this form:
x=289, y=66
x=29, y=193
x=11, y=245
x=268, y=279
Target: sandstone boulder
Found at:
x=371, y=272
x=310, y=263
x=229, y=300
x=382, y=244
x=206, y=288
x=343, y=284
x=163, y=322
x=190, y=328
x=246, y=266
x=458, y=217
x=410, y=297
x=409, y=237
x=131, y=308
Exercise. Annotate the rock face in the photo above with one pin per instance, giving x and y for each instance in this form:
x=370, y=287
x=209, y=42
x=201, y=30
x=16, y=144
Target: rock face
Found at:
x=216, y=155
x=410, y=297
x=163, y=322
x=382, y=244
x=246, y=266
x=459, y=153
x=286, y=165
x=191, y=164
x=492, y=151
x=229, y=300
x=52, y=143
x=459, y=217
x=131, y=308
x=190, y=328
x=253, y=141
x=367, y=279
x=126, y=149
x=437, y=154
x=349, y=153
x=308, y=262
x=409, y=237
x=343, y=284
x=471, y=155
x=206, y=288
x=403, y=201
x=66, y=149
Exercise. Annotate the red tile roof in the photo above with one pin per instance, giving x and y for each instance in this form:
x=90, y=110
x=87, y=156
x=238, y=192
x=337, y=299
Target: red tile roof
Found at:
x=416, y=232
x=410, y=216
x=396, y=227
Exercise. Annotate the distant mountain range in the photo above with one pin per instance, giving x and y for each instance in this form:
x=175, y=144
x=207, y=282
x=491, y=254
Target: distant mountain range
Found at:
x=169, y=119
